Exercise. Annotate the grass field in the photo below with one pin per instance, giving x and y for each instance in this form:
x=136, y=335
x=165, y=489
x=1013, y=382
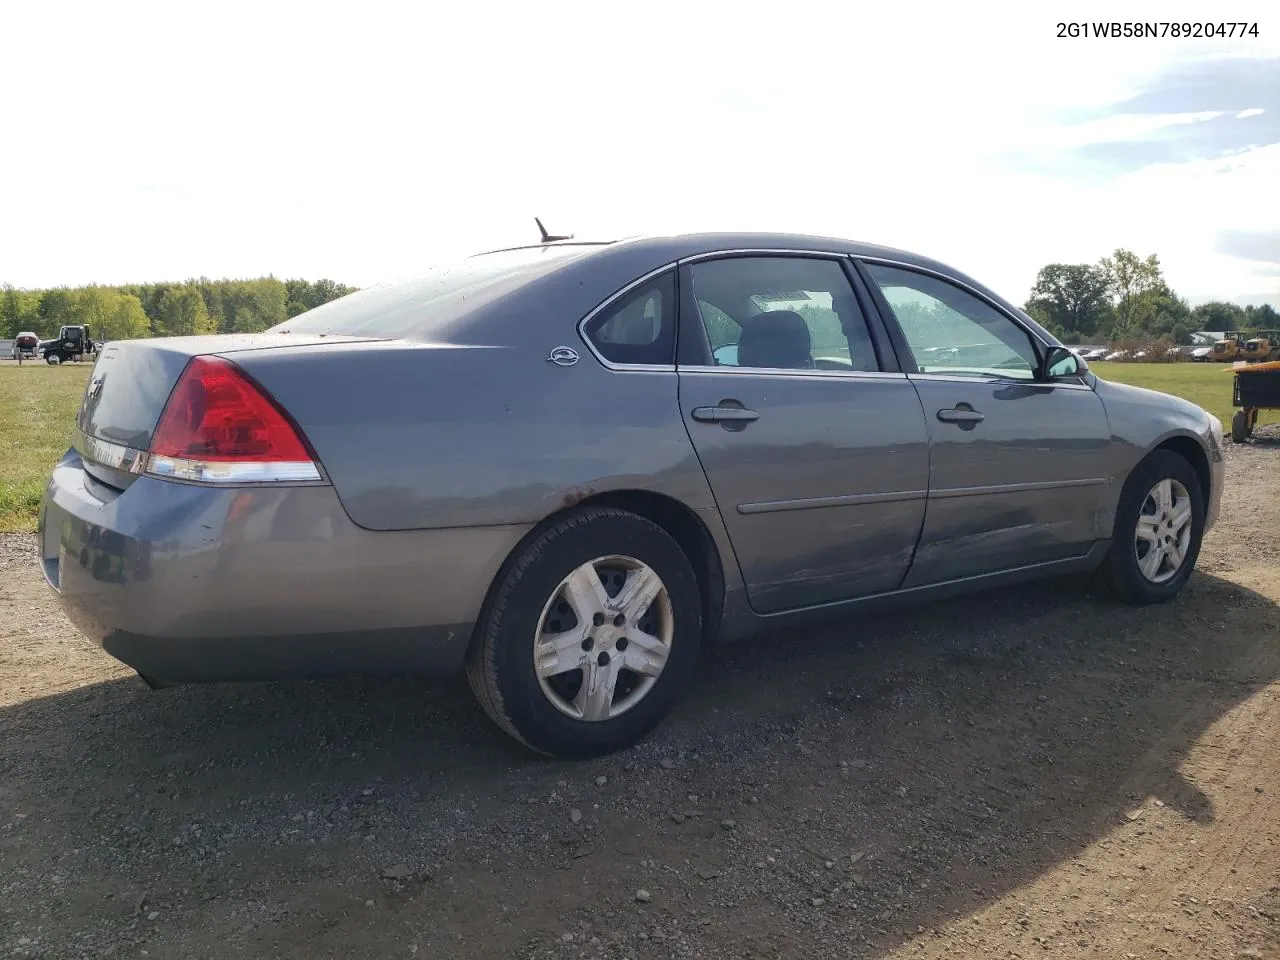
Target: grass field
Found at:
x=37, y=412
x=1208, y=384
x=38, y=405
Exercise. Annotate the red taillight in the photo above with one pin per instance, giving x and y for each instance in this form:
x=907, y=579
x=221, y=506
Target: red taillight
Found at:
x=218, y=422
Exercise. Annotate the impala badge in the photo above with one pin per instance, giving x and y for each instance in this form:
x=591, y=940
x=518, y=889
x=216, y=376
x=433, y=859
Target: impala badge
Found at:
x=563, y=356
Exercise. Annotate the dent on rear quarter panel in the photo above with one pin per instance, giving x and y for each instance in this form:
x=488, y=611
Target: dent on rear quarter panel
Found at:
x=419, y=436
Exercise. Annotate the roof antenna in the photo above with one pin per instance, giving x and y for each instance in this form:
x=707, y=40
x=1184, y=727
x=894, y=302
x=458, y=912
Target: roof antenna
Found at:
x=546, y=237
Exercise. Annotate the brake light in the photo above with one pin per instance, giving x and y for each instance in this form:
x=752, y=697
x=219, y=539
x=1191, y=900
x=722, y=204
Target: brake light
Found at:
x=218, y=426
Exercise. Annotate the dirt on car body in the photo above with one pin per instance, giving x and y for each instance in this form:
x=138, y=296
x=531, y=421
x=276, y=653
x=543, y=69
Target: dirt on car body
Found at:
x=1029, y=771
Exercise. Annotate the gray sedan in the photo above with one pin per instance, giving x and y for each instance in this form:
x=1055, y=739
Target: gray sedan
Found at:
x=567, y=467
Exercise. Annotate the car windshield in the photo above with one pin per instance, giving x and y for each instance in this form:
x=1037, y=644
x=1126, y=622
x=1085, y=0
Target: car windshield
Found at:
x=424, y=307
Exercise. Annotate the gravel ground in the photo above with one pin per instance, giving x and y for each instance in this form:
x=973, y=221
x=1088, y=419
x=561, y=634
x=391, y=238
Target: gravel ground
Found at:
x=1030, y=771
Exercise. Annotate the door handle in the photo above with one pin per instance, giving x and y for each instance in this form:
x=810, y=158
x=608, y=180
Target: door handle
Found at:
x=963, y=414
x=723, y=414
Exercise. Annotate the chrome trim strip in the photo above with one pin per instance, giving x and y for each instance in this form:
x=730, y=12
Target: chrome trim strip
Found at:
x=128, y=460
x=114, y=455
x=790, y=372
x=604, y=305
x=847, y=500
x=947, y=494
x=212, y=471
x=991, y=379
x=763, y=252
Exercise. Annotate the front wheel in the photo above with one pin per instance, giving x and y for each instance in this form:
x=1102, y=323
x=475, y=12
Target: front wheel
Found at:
x=52, y=359
x=590, y=635
x=1159, y=525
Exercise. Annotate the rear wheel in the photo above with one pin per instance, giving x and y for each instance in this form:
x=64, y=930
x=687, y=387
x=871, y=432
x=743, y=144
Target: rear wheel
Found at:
x=1159, y=524
x=1240, y=427
x=590, y=635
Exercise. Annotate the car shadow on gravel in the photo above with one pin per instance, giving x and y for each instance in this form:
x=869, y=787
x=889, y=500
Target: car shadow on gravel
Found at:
x=861, y=781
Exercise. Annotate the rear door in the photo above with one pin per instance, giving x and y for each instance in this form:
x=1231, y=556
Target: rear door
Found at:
x=1018, y=467
x=816, y=450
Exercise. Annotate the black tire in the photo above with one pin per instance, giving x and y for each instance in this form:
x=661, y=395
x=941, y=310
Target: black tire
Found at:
x=1120, y=573
x=1240, y=427
x=500, y=661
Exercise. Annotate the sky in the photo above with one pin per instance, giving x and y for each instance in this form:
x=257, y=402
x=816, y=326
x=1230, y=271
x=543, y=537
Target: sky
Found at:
x=361, y=141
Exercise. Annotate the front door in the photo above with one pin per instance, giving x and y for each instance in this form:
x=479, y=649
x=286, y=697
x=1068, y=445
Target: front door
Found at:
x=1017, y=473
x=818, y=456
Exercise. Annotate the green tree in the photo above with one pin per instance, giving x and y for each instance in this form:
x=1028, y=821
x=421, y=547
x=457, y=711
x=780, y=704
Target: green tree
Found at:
x=128, y=321
x=182, y=312
x=1261, y=317
x=1219, y=316
x=57, y=307
x=1071, y=299
x=303, y=296
x=1133, y=284
x=19, y=310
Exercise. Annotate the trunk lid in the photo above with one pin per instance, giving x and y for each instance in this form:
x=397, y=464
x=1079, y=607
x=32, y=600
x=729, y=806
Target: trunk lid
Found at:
x=132, y=381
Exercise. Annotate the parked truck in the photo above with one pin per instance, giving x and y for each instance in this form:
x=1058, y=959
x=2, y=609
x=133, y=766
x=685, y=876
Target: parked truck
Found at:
x=71, y=343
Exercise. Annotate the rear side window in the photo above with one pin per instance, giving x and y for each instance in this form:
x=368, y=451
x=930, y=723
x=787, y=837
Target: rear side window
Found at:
x=640, y=327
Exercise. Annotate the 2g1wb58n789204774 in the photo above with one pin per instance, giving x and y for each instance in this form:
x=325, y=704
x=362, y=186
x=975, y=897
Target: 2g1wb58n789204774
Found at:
x=1157, y=29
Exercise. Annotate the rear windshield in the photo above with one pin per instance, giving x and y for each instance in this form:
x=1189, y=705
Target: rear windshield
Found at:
x=427, y=307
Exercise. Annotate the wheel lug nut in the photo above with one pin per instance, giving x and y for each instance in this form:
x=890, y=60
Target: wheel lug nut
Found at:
x=598, y=619
x=603, y=659
x=621, y=644
x=619, y=620
x=588, y=643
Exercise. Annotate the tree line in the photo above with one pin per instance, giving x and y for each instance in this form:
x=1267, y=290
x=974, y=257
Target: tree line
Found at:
x=164, y=309
x=1124, y=297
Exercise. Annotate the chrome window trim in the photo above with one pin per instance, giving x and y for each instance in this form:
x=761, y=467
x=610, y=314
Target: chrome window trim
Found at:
x=985, y=378
x=792, y=252
x=784, y=371
x=614, y=298
x=793, y=372
x=763, y=252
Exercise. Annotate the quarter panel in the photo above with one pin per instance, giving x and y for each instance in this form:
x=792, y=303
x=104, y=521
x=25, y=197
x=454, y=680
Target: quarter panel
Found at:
x=416, y=436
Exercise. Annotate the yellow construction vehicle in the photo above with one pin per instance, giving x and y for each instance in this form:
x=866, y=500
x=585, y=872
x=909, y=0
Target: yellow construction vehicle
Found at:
x=1229, y=347
x=1261, y=347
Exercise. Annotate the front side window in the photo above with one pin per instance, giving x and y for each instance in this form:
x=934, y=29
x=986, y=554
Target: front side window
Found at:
x=951, y=331
x=640, y=327
x=781, y=313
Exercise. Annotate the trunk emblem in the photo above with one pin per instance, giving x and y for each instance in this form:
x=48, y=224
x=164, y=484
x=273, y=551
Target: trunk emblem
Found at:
x=95, y=387
x=563, y=356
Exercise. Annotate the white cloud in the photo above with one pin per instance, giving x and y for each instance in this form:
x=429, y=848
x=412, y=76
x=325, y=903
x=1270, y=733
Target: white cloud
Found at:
x=1251, y=112
x=363, y=141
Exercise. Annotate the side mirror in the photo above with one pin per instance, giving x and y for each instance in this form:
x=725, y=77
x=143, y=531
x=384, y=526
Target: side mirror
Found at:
x=1060, y=362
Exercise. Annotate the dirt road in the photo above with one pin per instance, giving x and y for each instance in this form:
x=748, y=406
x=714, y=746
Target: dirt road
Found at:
x=1028, y=773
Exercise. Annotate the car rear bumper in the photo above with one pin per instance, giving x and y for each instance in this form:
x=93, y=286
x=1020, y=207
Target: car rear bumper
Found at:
x=188, y=583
